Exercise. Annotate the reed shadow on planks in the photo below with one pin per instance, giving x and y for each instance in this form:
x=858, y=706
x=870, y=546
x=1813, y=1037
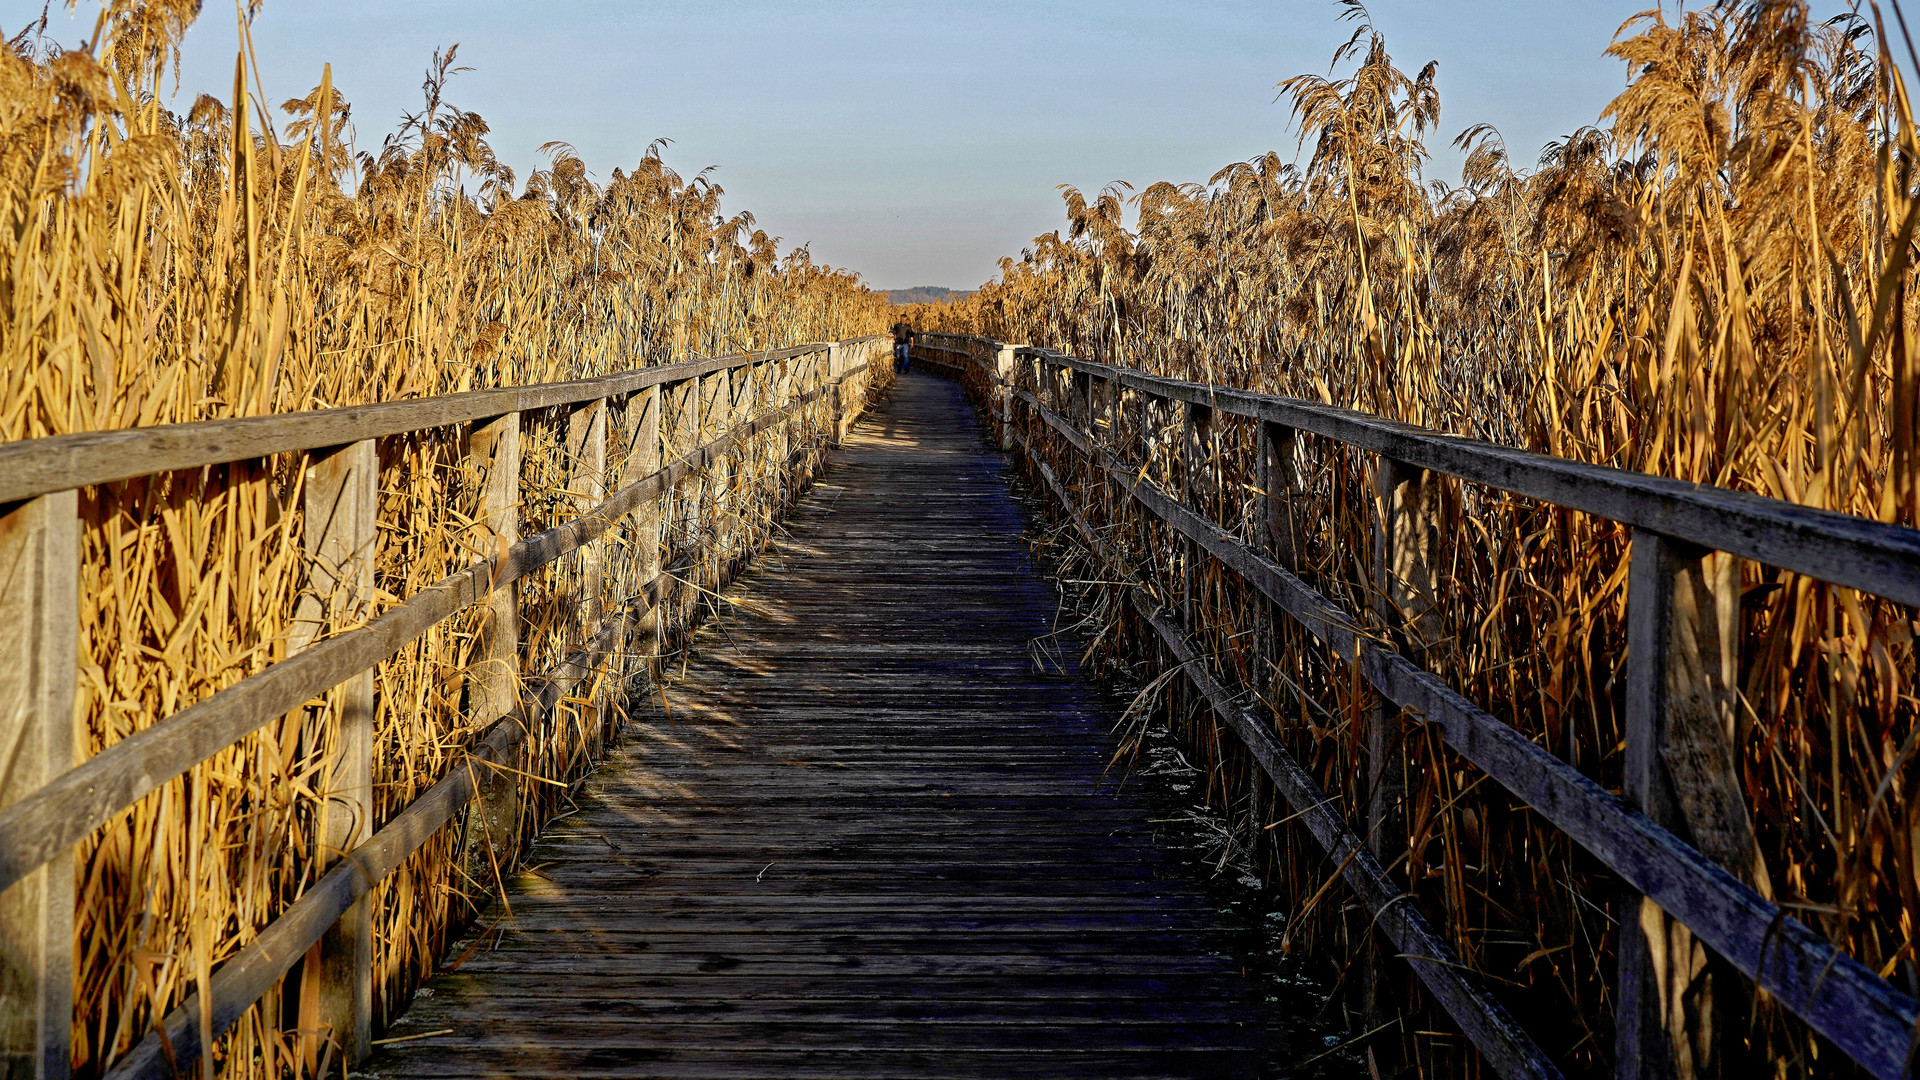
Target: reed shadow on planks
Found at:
x=865, y=837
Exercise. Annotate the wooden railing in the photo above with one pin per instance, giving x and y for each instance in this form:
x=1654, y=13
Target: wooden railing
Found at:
x=678, y=423
x=1098, y=435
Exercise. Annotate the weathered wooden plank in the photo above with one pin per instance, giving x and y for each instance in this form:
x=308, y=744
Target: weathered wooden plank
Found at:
x=950, y=919
x=704, y=991
x=493, y=667
x=574, y=1032
x=39, y=634
x=848, y=795
x=1679, y=1006
x=340, y=507
x=1166, y=1000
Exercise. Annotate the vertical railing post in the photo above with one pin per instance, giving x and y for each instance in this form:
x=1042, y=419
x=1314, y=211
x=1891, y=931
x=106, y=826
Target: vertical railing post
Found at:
x=1003, y=392
x=780, y=446
x=1139, y=462
x=1081, y=408
x=740, y=468
x=683, y=414
x=750, y=402
x=1080, y=411
x=1278, y=483
x=1103, y=418
x=339, y=513
x=1680, y=1009
x=40, y=636
x=587, y=486
x=493, y=680
x=836, y=367
x=1027, y=376
x=1402, y=591
x=1196, y=452
x=643, y=460
x=1402, y=596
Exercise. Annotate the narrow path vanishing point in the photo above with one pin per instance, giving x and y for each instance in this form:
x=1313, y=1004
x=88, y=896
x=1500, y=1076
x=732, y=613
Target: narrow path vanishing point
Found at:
x=870, y=839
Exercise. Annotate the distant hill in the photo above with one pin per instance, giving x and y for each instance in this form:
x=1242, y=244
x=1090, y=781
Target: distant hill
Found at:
x=926, y=294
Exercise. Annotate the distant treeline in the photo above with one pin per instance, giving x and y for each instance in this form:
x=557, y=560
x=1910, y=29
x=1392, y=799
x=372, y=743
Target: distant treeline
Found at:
x=927, y=294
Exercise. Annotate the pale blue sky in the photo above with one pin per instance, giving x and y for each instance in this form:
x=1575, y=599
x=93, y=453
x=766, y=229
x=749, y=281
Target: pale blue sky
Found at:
x=914, y=142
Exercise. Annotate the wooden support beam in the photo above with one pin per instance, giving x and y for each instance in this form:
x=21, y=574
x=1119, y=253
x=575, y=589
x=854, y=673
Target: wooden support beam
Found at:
x=716, y=414
x=1198, y=490
x=842, y=408
x=1002, y=391
x=586, y=487
x=1281, y=486
x=1402, y=597
x=683, y=414
x=339, y=514
x=1277, y=478
x=1681, y=1009
x=642, y=639
x=1402, y=591
x=39, y=634
x=493, y=679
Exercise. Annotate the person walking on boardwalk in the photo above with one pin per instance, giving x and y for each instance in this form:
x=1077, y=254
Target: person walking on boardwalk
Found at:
x=903, y=336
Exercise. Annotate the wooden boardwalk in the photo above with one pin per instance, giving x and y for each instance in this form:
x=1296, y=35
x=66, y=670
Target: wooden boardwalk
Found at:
x=868, y=840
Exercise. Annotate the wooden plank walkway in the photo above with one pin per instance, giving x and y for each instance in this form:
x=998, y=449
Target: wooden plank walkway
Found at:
x=870, y=839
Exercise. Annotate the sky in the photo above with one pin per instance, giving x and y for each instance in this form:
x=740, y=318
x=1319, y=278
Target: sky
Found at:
x=913, y=142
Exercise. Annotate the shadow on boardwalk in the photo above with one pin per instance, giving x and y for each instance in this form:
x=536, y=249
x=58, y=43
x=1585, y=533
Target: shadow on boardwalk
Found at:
x=865, y=839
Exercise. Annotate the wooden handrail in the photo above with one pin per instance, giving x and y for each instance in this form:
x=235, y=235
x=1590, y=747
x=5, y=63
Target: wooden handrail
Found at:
x=1844, y=549
x=37, y=478
x=31, y=467
x=1861, y=1013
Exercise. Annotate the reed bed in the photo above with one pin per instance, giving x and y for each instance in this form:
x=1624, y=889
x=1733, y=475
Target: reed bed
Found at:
x=235, y=260
x=1711, y=282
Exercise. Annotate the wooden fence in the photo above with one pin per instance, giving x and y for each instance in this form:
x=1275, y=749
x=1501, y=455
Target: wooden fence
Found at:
x=744, y=433
x=1109, y=443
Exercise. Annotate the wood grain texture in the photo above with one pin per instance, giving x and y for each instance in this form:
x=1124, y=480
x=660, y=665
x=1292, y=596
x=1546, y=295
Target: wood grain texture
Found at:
x=863, y=838
x=40, y=635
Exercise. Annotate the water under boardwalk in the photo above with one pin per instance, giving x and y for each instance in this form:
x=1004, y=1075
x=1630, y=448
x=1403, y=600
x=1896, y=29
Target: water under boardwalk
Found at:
x=869, y=840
